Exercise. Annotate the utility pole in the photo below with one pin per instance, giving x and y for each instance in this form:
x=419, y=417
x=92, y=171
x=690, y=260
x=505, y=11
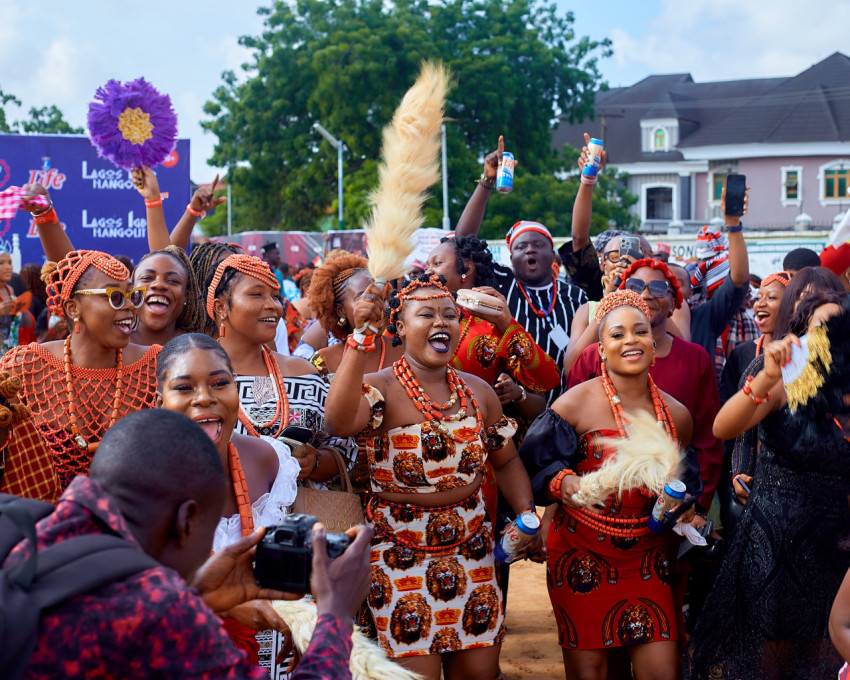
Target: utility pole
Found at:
x=447, y=225
x=339, y=145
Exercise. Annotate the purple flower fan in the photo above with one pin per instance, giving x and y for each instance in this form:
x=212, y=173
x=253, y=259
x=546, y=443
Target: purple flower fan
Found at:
x=133, y=124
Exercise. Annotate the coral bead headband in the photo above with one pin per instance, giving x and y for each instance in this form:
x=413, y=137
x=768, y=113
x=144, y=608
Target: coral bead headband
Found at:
x=675, y=286
x=244, y=264
x=620, y=298
x=782, y=277
x=61, y=280
x=408, y=293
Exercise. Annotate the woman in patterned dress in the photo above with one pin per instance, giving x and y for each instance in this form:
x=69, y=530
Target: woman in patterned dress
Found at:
x=607, y=574
x=275, y=391
x=434, y=594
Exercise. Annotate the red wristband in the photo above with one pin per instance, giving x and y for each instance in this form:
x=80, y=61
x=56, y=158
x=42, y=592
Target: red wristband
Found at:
x=746, y=389
x=48, y=217
x=153, y=204
x=196, y=213
x=368, y=344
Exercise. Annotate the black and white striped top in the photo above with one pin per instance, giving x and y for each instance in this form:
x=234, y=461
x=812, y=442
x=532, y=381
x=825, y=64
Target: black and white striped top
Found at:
x=551, y=332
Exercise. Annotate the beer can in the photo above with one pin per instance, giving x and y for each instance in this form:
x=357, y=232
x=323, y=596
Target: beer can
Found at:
x=505, y=175
x=672, y=495
x=595, y=147
x=517, y=534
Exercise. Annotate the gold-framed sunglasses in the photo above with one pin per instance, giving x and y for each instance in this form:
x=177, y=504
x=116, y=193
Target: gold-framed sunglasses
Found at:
x=117, y=296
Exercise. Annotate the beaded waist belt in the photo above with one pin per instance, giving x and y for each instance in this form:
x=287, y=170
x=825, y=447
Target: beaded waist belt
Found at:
x=623, y=527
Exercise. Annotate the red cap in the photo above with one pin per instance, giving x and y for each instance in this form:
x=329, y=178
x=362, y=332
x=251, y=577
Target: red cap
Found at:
x=662, y=247
x=837, y=260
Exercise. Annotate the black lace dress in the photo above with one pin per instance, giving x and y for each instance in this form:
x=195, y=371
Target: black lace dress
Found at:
x=767, y=614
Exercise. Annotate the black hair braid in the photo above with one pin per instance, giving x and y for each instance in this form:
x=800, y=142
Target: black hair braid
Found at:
x=225, y=283
x=193, y=317
x=204, y=259
x=473, y=249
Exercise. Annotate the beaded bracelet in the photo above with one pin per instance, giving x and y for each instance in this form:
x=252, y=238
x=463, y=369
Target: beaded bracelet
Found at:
x=487, y=182
x=555, y=482
x=366, y=344
x=746, y=389
x=195, y=213
x=154, y=204
x=588, y=180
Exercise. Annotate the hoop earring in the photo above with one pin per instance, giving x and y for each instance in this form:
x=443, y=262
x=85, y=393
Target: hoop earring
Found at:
x=76, y=324
x=341, y=321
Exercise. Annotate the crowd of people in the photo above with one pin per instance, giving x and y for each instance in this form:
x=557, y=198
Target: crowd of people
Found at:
x=182, y=403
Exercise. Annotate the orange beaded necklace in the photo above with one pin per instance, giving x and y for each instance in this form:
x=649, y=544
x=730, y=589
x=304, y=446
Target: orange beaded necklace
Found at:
x=281, y=408
x=71, y=411
x=240, y=488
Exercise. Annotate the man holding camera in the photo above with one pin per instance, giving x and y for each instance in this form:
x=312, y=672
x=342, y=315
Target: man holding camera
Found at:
x=157, y=482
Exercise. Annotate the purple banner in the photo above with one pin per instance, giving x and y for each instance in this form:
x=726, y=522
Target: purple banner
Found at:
x=95, y=201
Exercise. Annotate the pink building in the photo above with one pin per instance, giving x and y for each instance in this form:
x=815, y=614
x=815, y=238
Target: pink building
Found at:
x=677, y=140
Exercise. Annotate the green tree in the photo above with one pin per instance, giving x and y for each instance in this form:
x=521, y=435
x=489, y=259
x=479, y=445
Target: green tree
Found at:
x=346, y=63
x=4, y=100
x=47, y=120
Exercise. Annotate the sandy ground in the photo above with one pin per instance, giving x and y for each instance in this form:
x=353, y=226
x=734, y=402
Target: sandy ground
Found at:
x=531, y=646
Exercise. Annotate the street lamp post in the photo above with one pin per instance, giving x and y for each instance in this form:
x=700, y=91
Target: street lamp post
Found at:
x=447, y=225
x=339, y=145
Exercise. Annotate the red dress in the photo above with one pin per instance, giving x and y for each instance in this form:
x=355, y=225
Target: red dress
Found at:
x=608, y=591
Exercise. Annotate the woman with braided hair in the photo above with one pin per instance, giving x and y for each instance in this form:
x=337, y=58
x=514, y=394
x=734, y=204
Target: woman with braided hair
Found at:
x=275, y=391
x=204, y=259
x=335, y=288
x=607, y=573
x=430, y=430
x=172, y=304
x=77, y=388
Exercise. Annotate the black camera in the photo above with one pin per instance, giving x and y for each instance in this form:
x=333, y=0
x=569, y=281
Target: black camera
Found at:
x=284, y=558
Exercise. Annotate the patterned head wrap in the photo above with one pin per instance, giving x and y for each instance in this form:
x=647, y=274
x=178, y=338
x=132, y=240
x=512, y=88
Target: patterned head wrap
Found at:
x=60, y=278
x=244, y=264
x=523, y=227
x=710, y=243
x=408, y=293
x=675, y=286
x=620, y=298
x=782, y=277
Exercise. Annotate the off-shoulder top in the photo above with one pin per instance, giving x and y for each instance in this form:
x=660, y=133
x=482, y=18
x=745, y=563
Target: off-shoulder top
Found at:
x=427, y=457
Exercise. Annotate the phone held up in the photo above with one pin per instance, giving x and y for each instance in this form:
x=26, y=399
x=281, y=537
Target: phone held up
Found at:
x=736, y=188
x=629, y=247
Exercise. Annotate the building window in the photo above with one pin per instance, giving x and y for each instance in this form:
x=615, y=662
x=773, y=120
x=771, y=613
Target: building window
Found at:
x=834, y=180
x=717, y=184
x=659, y=203
x=835, y=183
x=792, y=185
x=659, y=140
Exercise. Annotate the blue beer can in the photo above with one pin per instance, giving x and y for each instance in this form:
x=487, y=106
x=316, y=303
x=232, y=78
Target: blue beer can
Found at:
x=517, y=534
x=595, y=147
x=672, y=495
x=505, y=175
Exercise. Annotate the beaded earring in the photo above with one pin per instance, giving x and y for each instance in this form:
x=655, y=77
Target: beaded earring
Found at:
x=221, y=329
x=76, y=324
x=463, y=277
x=341, y=321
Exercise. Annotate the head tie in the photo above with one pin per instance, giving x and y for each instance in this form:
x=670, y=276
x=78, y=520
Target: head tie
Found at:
x=675, y=286
x=523, y=227
x=60, y=281
x=620, y=298
x=244, y=264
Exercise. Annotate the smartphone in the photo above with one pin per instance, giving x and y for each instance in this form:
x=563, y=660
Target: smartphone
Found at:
x=630, y=245
x=295, y=437
x=736, y=187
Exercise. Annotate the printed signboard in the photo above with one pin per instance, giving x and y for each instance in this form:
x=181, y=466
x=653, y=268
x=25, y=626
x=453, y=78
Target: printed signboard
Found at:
x=96, y=202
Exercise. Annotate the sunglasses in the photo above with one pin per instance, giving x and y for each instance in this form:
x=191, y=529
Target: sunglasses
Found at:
x=117, y=297
x=656, y=288
x=612, y=256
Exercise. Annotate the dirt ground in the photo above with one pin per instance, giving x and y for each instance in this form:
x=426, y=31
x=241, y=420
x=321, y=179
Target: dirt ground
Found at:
x=531, y=646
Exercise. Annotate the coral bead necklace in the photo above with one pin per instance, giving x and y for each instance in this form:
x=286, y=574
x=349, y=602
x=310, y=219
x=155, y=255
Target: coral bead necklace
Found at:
x=282, y=402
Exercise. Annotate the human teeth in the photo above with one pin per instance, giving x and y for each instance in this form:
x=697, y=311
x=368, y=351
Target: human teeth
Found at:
x=157, y=299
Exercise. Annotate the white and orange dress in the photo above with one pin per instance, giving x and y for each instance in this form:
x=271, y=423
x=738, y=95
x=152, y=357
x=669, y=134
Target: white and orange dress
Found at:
x=433, y=587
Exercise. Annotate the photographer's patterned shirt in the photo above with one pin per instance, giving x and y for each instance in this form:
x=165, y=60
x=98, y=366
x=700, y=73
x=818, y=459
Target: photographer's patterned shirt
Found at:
x=151, y=624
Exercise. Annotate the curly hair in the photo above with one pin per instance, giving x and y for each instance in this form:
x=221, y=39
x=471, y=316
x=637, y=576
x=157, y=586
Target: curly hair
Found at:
x=675, y=286
x=193, y=317
x=203, y=261
x=473, y=249
x=327, y=287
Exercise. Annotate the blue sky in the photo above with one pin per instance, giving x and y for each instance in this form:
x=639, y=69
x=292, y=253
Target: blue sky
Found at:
x=59, y=52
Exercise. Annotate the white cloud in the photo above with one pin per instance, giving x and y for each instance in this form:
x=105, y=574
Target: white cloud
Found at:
x=726, y=39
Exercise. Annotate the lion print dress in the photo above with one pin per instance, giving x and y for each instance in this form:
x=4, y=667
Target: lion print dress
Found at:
x=433, y=587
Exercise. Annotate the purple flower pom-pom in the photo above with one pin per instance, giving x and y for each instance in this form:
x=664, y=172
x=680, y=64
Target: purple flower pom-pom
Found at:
x=132, y=125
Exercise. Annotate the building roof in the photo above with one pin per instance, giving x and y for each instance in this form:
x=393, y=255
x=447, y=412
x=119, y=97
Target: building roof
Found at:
x=811, y=106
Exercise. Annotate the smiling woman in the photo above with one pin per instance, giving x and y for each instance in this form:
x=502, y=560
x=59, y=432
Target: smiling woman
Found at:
x=79, y=387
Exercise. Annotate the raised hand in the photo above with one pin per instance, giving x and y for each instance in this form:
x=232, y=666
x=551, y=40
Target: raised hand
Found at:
x=34, y=190
x=584, y=158
x=204, y=198
x=146, y=183
x=493, y=159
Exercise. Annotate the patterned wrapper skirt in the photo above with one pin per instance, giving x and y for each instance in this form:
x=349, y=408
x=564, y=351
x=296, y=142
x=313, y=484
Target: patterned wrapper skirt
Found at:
x=433, y=587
